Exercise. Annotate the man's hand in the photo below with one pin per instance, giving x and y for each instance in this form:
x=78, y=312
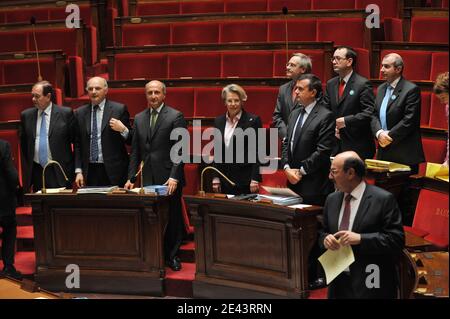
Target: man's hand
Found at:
x=254, y=187
x=172, y=186
x=330, y=242
x=384, y=139
x=340, y=123
x=293, y=175
x=117, y=125
x=347, y=237
x=79, y=180
x=216, y=187
x=337, y=133
x=129, y=185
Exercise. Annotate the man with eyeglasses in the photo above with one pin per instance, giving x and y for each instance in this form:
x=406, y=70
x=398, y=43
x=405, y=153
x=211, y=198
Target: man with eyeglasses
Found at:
x=298, y=64
x=350, y=97
x=46, y=133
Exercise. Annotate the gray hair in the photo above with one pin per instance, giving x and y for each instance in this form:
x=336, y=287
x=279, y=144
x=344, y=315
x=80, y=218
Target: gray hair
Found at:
x=398, y=61
x=305, y=61
x=234, y=88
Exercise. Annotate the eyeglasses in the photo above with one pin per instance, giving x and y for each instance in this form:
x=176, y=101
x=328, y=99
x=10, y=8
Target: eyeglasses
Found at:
x=338, y=58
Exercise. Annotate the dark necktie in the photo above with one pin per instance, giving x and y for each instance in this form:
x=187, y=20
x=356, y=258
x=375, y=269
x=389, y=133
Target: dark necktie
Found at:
x=345, y=221
x=341, y=88
x=153, y=119
x=298, y=128
x=94, y=141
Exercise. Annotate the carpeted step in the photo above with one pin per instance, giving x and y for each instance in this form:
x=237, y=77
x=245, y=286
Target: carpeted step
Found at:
x=25, y=238
x=25, y=262
x=187, y=252
x=23, y=216
x=179, y=283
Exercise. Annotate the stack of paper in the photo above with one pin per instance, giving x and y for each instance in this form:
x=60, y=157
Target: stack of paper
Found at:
x=52, y=190
x=160, y=190
x=281, y=200
x=96, y=190
x=437, y=171
x=385, y=165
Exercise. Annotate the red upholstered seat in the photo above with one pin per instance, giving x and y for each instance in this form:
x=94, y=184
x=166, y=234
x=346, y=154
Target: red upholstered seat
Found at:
x=208, y=102
x=332, y=4
x=277, y=30
x=157, y=8
x=243, y=64
x=388, y=8
x=393, y=29
x=434, y=149
x=339, y=31
x=61, y=39
x=261, y=101
x=363, y=64
x=129, y=66
x=317, y=59
x=181, y=99
x=195, y=32
x=243, y=31
x=14, y=41
x=425, y=29
x=139, y=35
x=190, y=7
x=25, y=71
x=12, y=104
x=431, y=216
x=292, y=5
x=23, y=14
x=76, y=75
x=438, y=118
x=439, y=64
x=245, y=5
x=134, y=98
x=417, y=63
x=425, y=108
x=196, y=65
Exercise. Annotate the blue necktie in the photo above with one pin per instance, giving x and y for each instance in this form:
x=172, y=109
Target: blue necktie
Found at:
x=43, y=139
x=94, y=142
x=383, y=108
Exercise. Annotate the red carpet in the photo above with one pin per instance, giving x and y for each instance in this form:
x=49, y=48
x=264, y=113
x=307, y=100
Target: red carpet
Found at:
x=25, y=262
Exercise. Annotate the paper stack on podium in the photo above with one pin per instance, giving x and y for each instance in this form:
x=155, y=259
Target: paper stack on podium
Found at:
x=386, y=166
x=160, y=190
x=281, y=196
x=52, y=190
x=437, y=171
x=96, y=190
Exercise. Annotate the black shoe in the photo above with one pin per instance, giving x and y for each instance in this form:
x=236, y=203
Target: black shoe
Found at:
x=317, y=284
x=174, y=264
x=10, y=271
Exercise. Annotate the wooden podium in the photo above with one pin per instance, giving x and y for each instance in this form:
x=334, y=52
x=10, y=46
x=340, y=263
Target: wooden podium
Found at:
x=251, y=250
x=115, y=240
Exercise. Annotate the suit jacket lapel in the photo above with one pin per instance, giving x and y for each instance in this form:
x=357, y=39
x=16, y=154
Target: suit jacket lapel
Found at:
x=364, y=206
x=159, y=120
x=333, y=217
x=107, y=111
x=396, y=92
x=308, y=121
x=34, y=116
x=53, y=119
x=146, y=125
x=87, y=119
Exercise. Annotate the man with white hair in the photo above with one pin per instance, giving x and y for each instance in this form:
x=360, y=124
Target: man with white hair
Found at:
x=103, y=128
x=396, y=122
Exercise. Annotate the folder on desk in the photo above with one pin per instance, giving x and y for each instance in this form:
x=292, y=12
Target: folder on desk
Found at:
x=437, y=171
x=386, y=166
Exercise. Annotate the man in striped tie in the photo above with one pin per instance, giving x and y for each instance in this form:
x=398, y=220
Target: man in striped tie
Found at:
x=367, y=218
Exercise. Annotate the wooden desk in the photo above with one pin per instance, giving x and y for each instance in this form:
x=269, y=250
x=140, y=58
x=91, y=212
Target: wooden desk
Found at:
x=432, y=273
x=251, y=250
x=116, y=240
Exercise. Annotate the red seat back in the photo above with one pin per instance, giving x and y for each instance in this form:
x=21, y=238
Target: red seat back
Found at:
x=244, y=31
x=388, y=8
x=195, y=32
x=339, y=31
x=133, y=98
x=245, y=5
x=140, y=35
x=197, y=64
x=417, y=63
x=277, y=179
x=439, y=64
x=438, y=118
x=157, y=8
x=425, y=29
x=243, y=64
x=208, y=102
x=128, y=66
x=434, y=149
x=190, y=7
x=332, y=4
x=277, y=30
x=425, y=108
x=181, y=99
x=292, y=5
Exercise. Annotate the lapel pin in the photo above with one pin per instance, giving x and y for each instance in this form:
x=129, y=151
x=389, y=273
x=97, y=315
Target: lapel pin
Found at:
x=393, y=97
x=351, y=92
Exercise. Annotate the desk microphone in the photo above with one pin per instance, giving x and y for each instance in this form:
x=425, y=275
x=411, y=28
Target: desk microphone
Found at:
x=201, y=192
x=33, y=28
x=141, y=172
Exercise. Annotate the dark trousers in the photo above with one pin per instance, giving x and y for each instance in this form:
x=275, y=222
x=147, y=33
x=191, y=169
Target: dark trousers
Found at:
x=341, y=288
x=97, y=175
x=406, y=204
x=9, y=226
x=175, y=230
x=51, y=179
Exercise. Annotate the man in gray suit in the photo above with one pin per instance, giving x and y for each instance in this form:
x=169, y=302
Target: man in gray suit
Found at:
x=152, y=144
x=286, y=101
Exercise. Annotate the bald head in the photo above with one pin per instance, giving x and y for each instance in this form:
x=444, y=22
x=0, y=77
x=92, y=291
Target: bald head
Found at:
x=158, y=84
x=347, y=171
x=97, y=88
x=392, y=67
x=155, y=92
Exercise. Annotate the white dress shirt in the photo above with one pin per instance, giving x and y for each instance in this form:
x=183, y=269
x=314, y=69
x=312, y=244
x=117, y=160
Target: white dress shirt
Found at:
x=48, y=114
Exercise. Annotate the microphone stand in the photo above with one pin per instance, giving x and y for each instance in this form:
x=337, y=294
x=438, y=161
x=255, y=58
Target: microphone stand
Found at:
x=201, y=191
x=141, y=173
x=51, y=162
x=33, y=22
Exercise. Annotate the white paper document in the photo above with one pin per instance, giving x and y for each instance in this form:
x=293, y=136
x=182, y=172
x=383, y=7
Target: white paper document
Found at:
x=336, y=261
x=52, y=190
x=300, y=206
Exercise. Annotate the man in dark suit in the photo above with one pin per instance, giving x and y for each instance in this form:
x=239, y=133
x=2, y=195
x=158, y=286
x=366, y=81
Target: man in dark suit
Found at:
x=103, y=129
x=396, y=122
x=234, y=126
x=152, y=144
x=46, y=133
x=9, y=182
x=309, y=142
x=366, y=218
x=286, y=101
x=350, y=97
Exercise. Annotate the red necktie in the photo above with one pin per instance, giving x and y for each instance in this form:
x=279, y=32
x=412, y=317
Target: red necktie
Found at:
x=345, y=221
x=341, y=88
